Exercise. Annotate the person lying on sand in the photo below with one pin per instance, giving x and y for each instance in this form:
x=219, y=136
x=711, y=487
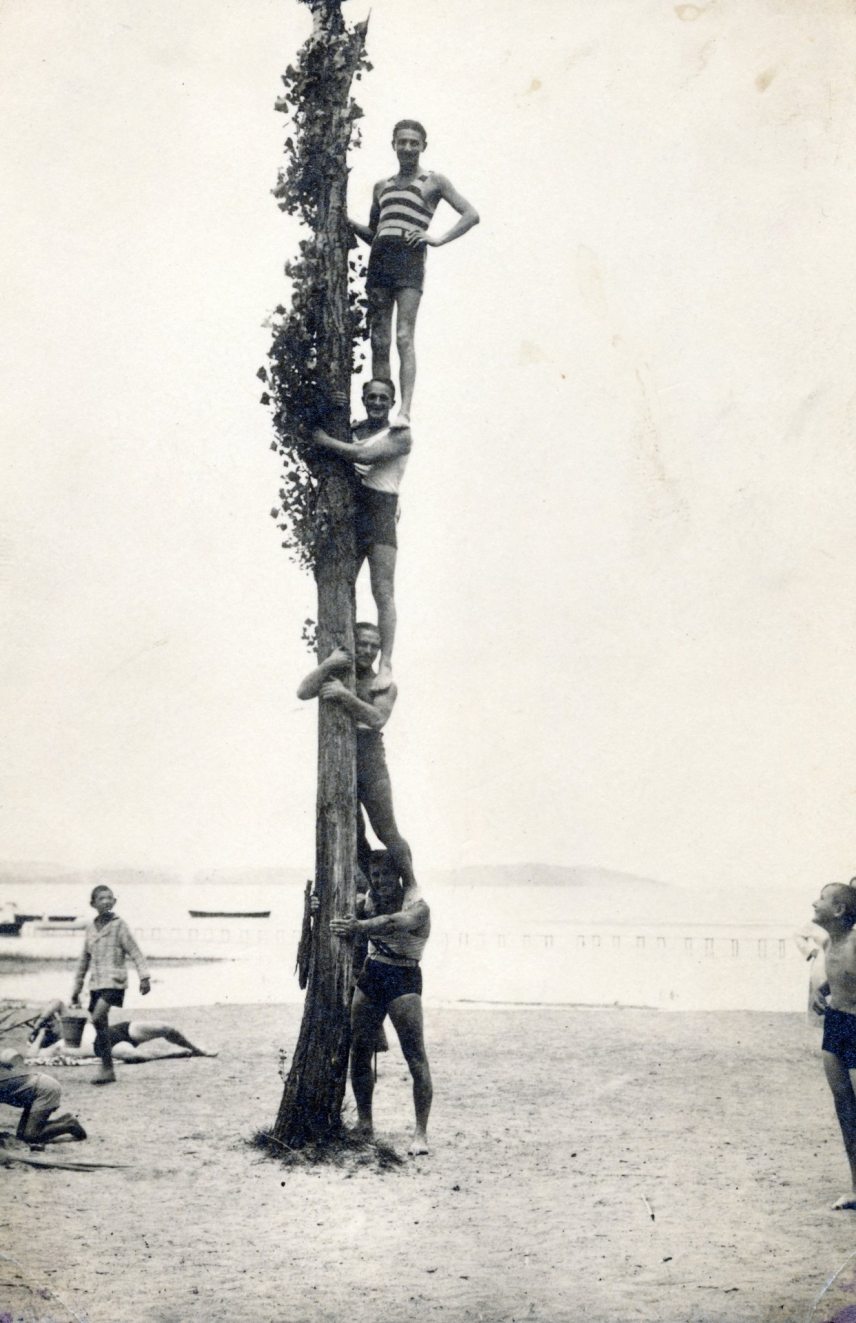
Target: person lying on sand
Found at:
x=397, y=925
x=835, y=911
x=38, y=1096
x=125, y=1037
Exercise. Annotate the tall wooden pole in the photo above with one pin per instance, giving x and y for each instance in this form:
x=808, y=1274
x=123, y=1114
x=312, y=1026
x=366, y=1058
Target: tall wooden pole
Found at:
x=311, y=1104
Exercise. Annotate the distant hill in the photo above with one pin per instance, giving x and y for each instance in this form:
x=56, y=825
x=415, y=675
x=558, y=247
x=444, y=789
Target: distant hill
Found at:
x=250, y=877
x=474, y=875
x=45, y=873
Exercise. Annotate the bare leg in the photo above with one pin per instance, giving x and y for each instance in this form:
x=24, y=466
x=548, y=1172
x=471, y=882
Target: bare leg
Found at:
x=406, y=1015
x=407, y=305
x=62, y=1125
x=366, y=1019
x=382, y=571
x=377, y=801
x=144, y=1031
x=380, y=330
x=840, y=1081
x=103, y=1050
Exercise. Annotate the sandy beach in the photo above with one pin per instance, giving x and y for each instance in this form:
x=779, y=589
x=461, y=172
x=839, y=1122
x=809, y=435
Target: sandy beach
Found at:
x=587, y=1164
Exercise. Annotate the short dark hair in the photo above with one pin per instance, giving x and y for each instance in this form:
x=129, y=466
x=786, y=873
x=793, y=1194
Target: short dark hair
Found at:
x=380, y=381
x=102, y=886
x=411, y=124
x=375, y=629
x=380, y=857
x=845, y=892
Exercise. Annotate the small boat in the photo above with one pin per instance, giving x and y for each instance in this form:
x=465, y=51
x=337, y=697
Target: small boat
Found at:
x=39, y=924
x=10, y=923
x=229, y=914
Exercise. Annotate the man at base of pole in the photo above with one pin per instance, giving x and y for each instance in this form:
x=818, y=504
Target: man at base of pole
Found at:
x=397, y=925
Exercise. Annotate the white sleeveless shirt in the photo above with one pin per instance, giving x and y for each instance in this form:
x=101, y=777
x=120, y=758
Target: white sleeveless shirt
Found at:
x=386, y=476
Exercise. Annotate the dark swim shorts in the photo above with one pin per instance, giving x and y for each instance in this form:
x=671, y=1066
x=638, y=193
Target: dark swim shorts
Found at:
x=119, y=1033
x=112, y=996
x=393, y=264
x=839, y=1036
x=375, y=514
x=384, y=983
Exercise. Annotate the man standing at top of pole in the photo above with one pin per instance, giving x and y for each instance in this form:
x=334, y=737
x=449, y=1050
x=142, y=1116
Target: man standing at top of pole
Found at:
x=402, y=209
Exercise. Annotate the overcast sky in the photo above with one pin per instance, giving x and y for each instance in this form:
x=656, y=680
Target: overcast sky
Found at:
x=626, y=571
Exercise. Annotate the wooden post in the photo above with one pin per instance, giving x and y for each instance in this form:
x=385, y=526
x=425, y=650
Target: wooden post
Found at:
x=310, y=1109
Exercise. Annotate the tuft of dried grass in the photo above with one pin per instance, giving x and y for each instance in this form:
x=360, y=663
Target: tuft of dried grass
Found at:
x=345, y=1150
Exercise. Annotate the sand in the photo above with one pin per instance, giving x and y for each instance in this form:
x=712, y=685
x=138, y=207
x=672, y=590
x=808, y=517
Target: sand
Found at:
x=587, y=1165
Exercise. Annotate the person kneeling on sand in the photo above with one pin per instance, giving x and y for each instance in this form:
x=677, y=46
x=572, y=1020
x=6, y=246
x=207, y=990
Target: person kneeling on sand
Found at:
x=125, y=1038
x=835, y=911
x=38, y=1096
x=397, y=925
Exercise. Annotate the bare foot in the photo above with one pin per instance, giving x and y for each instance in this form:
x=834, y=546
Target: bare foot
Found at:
x=400, y=420
x=847, y=1201
x=363, y=1130
x=418, y=1144
x=104, y=1077
x=200, y=1052
x=382, y=680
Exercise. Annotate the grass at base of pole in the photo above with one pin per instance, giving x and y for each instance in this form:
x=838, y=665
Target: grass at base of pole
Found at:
x=344, y=1149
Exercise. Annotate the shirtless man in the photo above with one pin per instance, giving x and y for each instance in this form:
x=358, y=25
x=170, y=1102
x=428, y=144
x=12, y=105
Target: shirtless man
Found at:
x=402, y=209
x=371, y=711
x=835, y=911
x=125, y=1037
x=397, y=925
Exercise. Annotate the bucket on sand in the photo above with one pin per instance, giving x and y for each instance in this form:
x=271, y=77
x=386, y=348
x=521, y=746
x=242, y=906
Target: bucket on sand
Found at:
x=72, y=1027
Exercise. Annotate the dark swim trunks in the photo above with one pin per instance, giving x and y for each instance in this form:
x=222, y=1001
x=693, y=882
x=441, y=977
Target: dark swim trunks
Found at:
x=839, y=1036
x=119, y=1033
x=393, y=264
x=375, y=514
x=112, y=996
x=382, y=983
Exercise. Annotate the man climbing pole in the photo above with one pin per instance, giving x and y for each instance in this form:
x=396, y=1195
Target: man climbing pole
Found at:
x=370, y=712
x=402, y=209
x=379, y=455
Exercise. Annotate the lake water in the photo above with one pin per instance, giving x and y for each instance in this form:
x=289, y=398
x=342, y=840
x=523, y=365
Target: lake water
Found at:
x=529, y=945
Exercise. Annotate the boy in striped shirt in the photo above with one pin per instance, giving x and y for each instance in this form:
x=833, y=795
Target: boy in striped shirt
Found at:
x=107, y=945
x=402, y=209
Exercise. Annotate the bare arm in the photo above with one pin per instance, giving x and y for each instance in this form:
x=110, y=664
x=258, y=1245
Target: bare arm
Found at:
x=373, y=451
x=410, y=920
x=467, y=214
x=310, y=686
x=367, y=232
x=375, y=714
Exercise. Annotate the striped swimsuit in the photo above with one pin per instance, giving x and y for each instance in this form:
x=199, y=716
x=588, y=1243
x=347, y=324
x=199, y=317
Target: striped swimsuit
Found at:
x=404, y=207
x=393, y=264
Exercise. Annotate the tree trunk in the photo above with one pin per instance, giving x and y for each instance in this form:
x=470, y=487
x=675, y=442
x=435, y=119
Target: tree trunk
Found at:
x=311, y=1104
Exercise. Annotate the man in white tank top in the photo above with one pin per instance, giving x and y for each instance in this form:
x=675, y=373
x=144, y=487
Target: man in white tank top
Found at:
x=379, y=456
x=397, y=924
x=402, y=208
